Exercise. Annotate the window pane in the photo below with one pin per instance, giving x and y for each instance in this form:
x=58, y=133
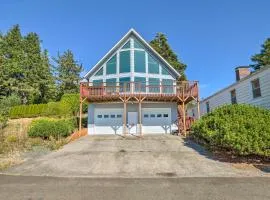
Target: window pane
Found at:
x=99, y=116
x=233, y=97
x=153, y=67
x=111, y=66
x=167, y=86
x=119, y=116
x=154, y=85
x=140, y=84
x=100, y=72
x=159, y=115
x=126, y=46
x=106, y=116
x=112, y=116
x=139, y=61
x=124, y=61
x=98, y=82
x=124, y=84
x=145, y=115
x=207, y=107
x=164, y=71
x=137, y=45
x=165, y=115
x=256, y=89
x=111, y=85
x=152, y=115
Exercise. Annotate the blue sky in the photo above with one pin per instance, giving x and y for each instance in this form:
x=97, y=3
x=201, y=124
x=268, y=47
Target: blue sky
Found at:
x=211, y=36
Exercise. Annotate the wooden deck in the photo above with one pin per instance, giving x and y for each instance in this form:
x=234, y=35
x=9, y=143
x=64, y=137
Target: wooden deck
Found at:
x=137, y=92
x=185, y=91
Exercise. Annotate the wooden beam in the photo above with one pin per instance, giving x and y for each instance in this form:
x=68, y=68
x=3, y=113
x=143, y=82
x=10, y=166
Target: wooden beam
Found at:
x=125, y=118
x=184, y=119
x=140, y=117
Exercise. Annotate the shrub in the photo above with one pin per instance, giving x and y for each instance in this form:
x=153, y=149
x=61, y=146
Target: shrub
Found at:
x=45, y=128
x=242, y=129
x=5, y=105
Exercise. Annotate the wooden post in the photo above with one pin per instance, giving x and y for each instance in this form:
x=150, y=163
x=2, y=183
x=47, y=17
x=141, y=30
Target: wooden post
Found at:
x=179, y=112
x=80, y=122
x=125, y=118
x=198, y=103
x=184, y=119
x=140, y=116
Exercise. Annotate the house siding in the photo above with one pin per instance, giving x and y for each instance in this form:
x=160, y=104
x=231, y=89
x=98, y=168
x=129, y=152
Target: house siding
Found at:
x=244, y=93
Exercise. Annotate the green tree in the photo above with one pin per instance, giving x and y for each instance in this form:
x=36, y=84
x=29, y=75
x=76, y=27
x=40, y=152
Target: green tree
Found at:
x=39, y=71
x=160, y=44
x=12, y=61
x=262, y=58
x=67, y=72
x=24, y=68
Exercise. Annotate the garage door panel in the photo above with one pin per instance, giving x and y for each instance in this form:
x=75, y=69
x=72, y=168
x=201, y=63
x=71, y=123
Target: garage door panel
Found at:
x=108, y=121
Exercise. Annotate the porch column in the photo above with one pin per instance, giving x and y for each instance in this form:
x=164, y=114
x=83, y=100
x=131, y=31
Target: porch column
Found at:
x=140, y=117
x=179, y=118
x=125, y=118
x=184, y=119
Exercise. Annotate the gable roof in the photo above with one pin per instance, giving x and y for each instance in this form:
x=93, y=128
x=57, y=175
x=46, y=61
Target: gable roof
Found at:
x=130, y=33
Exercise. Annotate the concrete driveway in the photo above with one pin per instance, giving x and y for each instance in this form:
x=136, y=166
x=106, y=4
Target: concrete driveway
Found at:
x=115, y=156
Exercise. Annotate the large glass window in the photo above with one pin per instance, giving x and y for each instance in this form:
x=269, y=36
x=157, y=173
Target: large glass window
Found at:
x=167, y=86
x=97, y=82
x=111, y=85
x=153, y=66
x=139, y=61
x=140, y=84
x=124, y=84
x=154, y=85
x=99, y=72
x=137, y=45
x=124, y=61
x=256, y=88
x=164, y=71
x=111, y=66
x=127, y=45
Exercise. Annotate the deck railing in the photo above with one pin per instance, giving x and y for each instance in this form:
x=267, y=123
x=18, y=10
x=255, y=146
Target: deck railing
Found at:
x=181, y=89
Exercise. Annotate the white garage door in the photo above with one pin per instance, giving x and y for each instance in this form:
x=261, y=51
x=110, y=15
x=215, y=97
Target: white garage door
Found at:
x=156, y=120
x=108, y=121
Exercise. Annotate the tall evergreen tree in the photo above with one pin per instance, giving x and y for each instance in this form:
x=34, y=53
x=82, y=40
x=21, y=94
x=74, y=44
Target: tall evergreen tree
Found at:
x=24, y=68
x=68, y=73
x=39, y=73
x=262, y=58
x=160, y=44
x=12, y=62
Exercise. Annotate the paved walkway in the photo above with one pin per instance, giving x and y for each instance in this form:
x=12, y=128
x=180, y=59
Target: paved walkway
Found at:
x=115, y=156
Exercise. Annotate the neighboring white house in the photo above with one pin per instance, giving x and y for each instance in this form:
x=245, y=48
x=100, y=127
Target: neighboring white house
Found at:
x=132, y=89
x=249, y=88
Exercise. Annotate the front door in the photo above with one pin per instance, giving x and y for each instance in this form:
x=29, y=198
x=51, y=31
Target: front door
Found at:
x=132, y=122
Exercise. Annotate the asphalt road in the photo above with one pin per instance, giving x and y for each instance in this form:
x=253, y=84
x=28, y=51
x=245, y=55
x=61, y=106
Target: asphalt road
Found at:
x=31, y=187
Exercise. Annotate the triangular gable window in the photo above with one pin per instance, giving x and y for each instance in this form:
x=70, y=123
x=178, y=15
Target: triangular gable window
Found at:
x=111, y=66
x=127, y=45
x=164, y=71
x=137, y=45
x=100, y=72
x=153, y=66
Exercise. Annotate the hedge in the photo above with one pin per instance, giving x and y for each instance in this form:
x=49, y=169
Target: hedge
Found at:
x=67, y=106
x=45, y=128
x=241, y=129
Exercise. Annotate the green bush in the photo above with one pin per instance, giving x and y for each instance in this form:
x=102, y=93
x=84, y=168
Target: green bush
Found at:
x=5, y=104
x=68, y=106
x=241, y=129
x=45, y=128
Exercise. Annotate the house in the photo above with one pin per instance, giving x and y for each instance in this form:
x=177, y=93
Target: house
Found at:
x=133, y=90
x=250, y=88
